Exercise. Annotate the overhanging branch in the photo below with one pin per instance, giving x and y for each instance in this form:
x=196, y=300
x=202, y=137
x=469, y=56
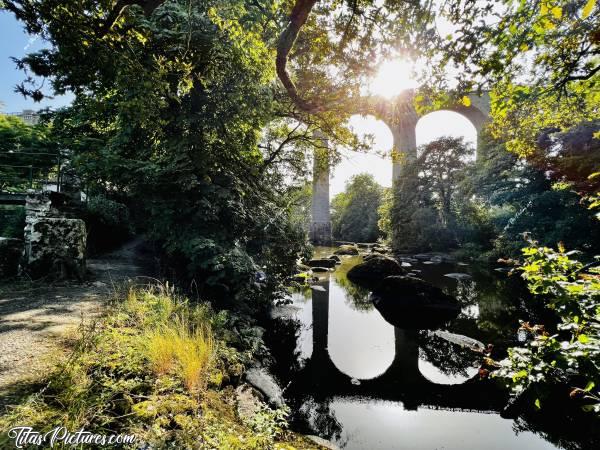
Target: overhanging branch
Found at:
x=298, y=17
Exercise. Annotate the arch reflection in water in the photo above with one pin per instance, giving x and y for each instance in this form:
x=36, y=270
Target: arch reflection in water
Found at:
x=392, y=410
x=360, y=343
x=438, y=376
x=351, y=342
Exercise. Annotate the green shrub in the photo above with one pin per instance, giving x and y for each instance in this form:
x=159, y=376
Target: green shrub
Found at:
x=568, y=354
x=12, y=221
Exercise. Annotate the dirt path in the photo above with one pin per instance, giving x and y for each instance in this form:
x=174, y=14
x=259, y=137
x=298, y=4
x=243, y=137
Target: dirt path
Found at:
x=34, y=320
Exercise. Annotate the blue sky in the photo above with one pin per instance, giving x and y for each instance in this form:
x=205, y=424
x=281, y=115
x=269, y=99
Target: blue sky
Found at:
x=14, y=41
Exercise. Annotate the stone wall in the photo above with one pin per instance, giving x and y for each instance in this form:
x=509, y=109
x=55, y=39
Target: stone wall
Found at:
x=55, y=240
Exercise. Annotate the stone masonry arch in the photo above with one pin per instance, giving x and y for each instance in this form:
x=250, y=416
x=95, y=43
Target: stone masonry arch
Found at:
x=401, y=117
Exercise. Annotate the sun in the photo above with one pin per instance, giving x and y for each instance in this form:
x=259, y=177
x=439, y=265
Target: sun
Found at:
x=392, y=78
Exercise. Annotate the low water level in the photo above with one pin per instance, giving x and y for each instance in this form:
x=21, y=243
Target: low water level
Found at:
x=359, y=381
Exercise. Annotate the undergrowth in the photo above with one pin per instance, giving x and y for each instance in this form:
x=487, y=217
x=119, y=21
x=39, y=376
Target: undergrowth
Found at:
x=157, y=367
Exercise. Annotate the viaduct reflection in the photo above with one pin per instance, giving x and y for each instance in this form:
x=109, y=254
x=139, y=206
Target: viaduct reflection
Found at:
x=401, y=381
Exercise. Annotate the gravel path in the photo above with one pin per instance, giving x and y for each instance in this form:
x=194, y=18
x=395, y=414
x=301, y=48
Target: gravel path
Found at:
x=35, y=321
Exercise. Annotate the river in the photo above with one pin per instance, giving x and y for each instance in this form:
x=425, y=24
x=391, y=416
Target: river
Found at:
x=355, y=379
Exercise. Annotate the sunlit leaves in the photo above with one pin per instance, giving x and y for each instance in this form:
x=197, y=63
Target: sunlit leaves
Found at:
x=588, y=8
x=575, y=296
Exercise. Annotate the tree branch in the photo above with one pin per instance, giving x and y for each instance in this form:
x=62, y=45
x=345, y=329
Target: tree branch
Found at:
x=585, y=76
x=147, y=5
x=298, y=17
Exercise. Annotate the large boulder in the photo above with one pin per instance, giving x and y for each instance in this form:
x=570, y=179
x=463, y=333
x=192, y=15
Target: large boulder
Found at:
x=380, y=249
x=263, y=381
x=328, y=263
x=374, y=270
x=346, y=250
x=410, y=302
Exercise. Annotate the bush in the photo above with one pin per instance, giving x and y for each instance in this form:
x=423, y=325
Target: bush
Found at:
x=108, y=224
x=12, y=221
x=567, y=355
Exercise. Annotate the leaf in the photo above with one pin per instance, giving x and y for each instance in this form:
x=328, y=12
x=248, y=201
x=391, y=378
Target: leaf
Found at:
x=589, y=386
x=557, y=12
x=538, y=404
x=466, y=101
x=588, y=8
x=583, y=338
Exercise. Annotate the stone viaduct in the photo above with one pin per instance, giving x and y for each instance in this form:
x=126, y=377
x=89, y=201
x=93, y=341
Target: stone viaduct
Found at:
x=401, y=118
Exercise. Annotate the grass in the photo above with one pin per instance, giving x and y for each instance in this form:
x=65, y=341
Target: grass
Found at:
x=158, y=367
x=182, y=350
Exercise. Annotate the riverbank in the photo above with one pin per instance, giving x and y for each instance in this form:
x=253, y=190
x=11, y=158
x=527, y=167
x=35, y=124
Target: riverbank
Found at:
x=156, y=367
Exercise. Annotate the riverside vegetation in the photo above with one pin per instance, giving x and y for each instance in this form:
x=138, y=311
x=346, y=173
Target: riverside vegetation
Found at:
x=193, y=122
x=158, y=367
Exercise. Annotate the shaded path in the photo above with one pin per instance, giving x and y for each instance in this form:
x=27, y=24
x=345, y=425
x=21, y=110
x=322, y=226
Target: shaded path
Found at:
x=35, y=319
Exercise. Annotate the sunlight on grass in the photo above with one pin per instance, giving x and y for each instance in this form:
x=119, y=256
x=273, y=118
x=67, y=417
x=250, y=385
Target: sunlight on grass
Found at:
x=186, y=353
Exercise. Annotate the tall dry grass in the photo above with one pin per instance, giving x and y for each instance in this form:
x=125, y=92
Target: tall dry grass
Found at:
x=179, y=343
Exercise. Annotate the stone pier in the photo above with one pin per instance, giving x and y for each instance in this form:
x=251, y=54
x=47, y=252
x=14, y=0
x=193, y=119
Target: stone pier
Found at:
x=55, y=241
x=320, y=226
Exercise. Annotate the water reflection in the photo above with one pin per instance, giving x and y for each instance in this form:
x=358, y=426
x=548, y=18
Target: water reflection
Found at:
x=369, y=336
x=393, y=427
x=369, y=385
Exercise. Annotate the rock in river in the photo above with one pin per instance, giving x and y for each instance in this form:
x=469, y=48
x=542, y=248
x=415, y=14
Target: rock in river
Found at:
x=375, y=269
x=410, y=302
x=346, y=250
x=262, y=380
x=459, y=276
x=329, y=263
x=336, y=258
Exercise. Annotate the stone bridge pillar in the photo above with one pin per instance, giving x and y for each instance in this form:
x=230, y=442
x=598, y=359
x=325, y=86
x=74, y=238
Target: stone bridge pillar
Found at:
x=403, y=128
x=320, y=226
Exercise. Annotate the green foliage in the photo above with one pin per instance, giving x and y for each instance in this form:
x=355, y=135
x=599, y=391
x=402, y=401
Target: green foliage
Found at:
x=539, y=57
x=569, y=354
x=515, y=196
x=423, y=215
x=167, y=119
x=385, y=213
x=12, y=219
x=112, y=383
x=28, y=154
x=355, y=211
x=493, y=201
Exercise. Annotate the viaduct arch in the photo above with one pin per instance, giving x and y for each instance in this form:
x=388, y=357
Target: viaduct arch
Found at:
x=401, y=118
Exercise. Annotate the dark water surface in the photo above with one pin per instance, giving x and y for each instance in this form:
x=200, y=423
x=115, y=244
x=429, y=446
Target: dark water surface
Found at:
x=359, y=381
